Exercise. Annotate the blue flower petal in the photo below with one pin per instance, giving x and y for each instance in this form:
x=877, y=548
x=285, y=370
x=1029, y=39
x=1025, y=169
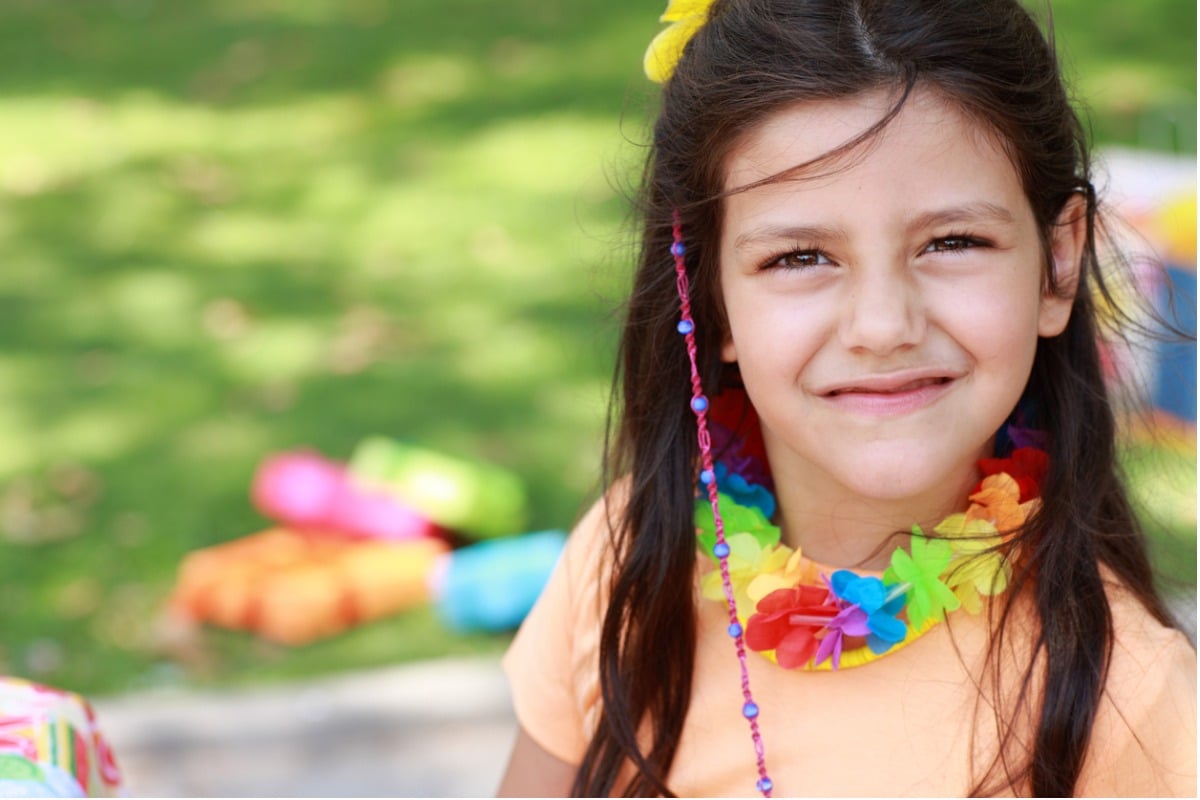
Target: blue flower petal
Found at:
x=894, y=606
x=878, y=646
x=868, y=593
x=886, y=627
x=840, y=581
x=744, y=492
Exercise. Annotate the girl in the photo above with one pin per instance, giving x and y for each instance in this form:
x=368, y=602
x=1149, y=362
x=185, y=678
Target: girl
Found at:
x=869, y=538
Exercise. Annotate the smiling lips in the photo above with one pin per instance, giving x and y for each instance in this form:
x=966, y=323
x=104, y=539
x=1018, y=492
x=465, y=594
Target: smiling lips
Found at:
x=889, y=395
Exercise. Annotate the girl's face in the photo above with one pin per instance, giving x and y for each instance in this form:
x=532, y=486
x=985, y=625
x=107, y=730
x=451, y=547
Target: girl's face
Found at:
x=884, y=307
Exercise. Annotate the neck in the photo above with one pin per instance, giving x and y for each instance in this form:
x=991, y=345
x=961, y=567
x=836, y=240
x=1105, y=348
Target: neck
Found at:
x=838, y=526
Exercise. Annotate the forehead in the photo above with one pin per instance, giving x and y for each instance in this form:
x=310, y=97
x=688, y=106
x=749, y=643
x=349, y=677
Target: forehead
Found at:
x=930, y=137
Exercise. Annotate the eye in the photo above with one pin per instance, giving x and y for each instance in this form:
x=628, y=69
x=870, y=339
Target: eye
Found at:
x=798, y=259
x=955, y=243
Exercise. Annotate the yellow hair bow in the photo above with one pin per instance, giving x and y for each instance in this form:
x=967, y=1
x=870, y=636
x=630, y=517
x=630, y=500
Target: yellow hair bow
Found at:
x=686, y=17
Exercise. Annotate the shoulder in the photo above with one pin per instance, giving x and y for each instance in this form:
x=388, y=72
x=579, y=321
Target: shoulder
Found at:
x=1144, y=650
x=1144, y=735
x=552, y=664
x=589, y=558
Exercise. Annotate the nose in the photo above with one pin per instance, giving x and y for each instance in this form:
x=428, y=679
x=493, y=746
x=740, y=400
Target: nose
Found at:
x=884, y=312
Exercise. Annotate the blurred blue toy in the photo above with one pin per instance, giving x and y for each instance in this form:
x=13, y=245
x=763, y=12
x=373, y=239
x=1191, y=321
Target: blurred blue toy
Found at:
x=492, y=585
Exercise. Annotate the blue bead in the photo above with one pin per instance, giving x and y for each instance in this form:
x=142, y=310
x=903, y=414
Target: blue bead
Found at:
x=750, y=710
x=677, y=249
x=685, y=326
x=735, y=630
x=707, y=477
x=765, y=785
x=699, y=404
x=721, y=549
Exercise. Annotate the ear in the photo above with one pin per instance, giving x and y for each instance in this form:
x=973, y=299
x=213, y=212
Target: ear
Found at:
x=728, y=350
x=1066, y=251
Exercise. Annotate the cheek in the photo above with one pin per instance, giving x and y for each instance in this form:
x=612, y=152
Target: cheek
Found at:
x=773, y=329
x=1001, y=301
x=1000, y=332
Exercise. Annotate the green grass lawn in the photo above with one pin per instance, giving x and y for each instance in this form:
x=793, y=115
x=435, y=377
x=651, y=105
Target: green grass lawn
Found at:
x=235, y=227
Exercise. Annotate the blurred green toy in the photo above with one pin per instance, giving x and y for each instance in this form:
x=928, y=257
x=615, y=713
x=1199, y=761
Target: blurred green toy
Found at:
x=480, y=500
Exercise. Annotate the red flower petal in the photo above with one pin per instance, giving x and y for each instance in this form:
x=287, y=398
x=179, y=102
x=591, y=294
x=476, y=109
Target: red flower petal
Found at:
x=797, y=648
x=779, y=600
x=733, y=409
x=768, y=628
x=765, y=631
x=1027, y=466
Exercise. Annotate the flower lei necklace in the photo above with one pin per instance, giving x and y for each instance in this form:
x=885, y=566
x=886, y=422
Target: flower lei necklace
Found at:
x=803, y=620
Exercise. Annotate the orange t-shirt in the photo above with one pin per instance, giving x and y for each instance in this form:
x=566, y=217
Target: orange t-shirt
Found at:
x=910, y=724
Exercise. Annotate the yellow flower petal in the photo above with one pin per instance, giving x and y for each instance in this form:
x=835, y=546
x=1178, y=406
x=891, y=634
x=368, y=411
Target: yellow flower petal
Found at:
x=665, y=49
x=951, y=526
x=678, y=9
x=967, y=536
x=775, y=560
x=999, y=581
x=763, y=585
x=969, y=597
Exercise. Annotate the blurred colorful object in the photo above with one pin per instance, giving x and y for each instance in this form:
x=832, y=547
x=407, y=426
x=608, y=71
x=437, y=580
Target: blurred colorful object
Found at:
x=492, y=585
x=304, y=490
x=294, y=587
x=50, y=745
x=358, y=544
x=1175, y=227
x=1174, y=388
x=475, y=499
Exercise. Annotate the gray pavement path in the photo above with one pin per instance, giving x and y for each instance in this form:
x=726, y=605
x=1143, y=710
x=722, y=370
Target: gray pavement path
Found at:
x=433, y=729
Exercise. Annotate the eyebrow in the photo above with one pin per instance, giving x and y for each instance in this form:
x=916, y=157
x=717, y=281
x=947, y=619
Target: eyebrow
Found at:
x=796, y=233
x=971, y=212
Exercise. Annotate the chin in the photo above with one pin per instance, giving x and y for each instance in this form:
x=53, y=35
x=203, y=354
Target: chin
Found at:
x=898, y=472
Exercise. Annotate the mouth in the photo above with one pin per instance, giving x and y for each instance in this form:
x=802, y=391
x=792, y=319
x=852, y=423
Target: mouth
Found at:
x=891, y=395
x=885, y=387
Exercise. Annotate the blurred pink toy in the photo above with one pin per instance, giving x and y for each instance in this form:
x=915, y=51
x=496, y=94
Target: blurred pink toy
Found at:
x=303, y=490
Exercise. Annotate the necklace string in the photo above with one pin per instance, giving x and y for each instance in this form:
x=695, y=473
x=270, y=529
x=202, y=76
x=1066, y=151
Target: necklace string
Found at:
x=721, y=550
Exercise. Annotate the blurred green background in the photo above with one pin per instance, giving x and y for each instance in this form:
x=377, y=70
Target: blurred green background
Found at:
x=234, y=227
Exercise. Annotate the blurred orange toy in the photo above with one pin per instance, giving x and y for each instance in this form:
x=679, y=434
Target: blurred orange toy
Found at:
x=294, y=587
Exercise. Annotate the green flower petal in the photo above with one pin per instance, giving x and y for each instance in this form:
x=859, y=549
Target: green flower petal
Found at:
x=927, y=597
x=737, y=519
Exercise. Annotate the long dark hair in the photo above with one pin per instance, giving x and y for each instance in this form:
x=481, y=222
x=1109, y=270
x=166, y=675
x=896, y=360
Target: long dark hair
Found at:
x=753, y=58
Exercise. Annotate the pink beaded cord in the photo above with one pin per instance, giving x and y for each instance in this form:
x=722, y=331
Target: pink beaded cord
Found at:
x=699, y=404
